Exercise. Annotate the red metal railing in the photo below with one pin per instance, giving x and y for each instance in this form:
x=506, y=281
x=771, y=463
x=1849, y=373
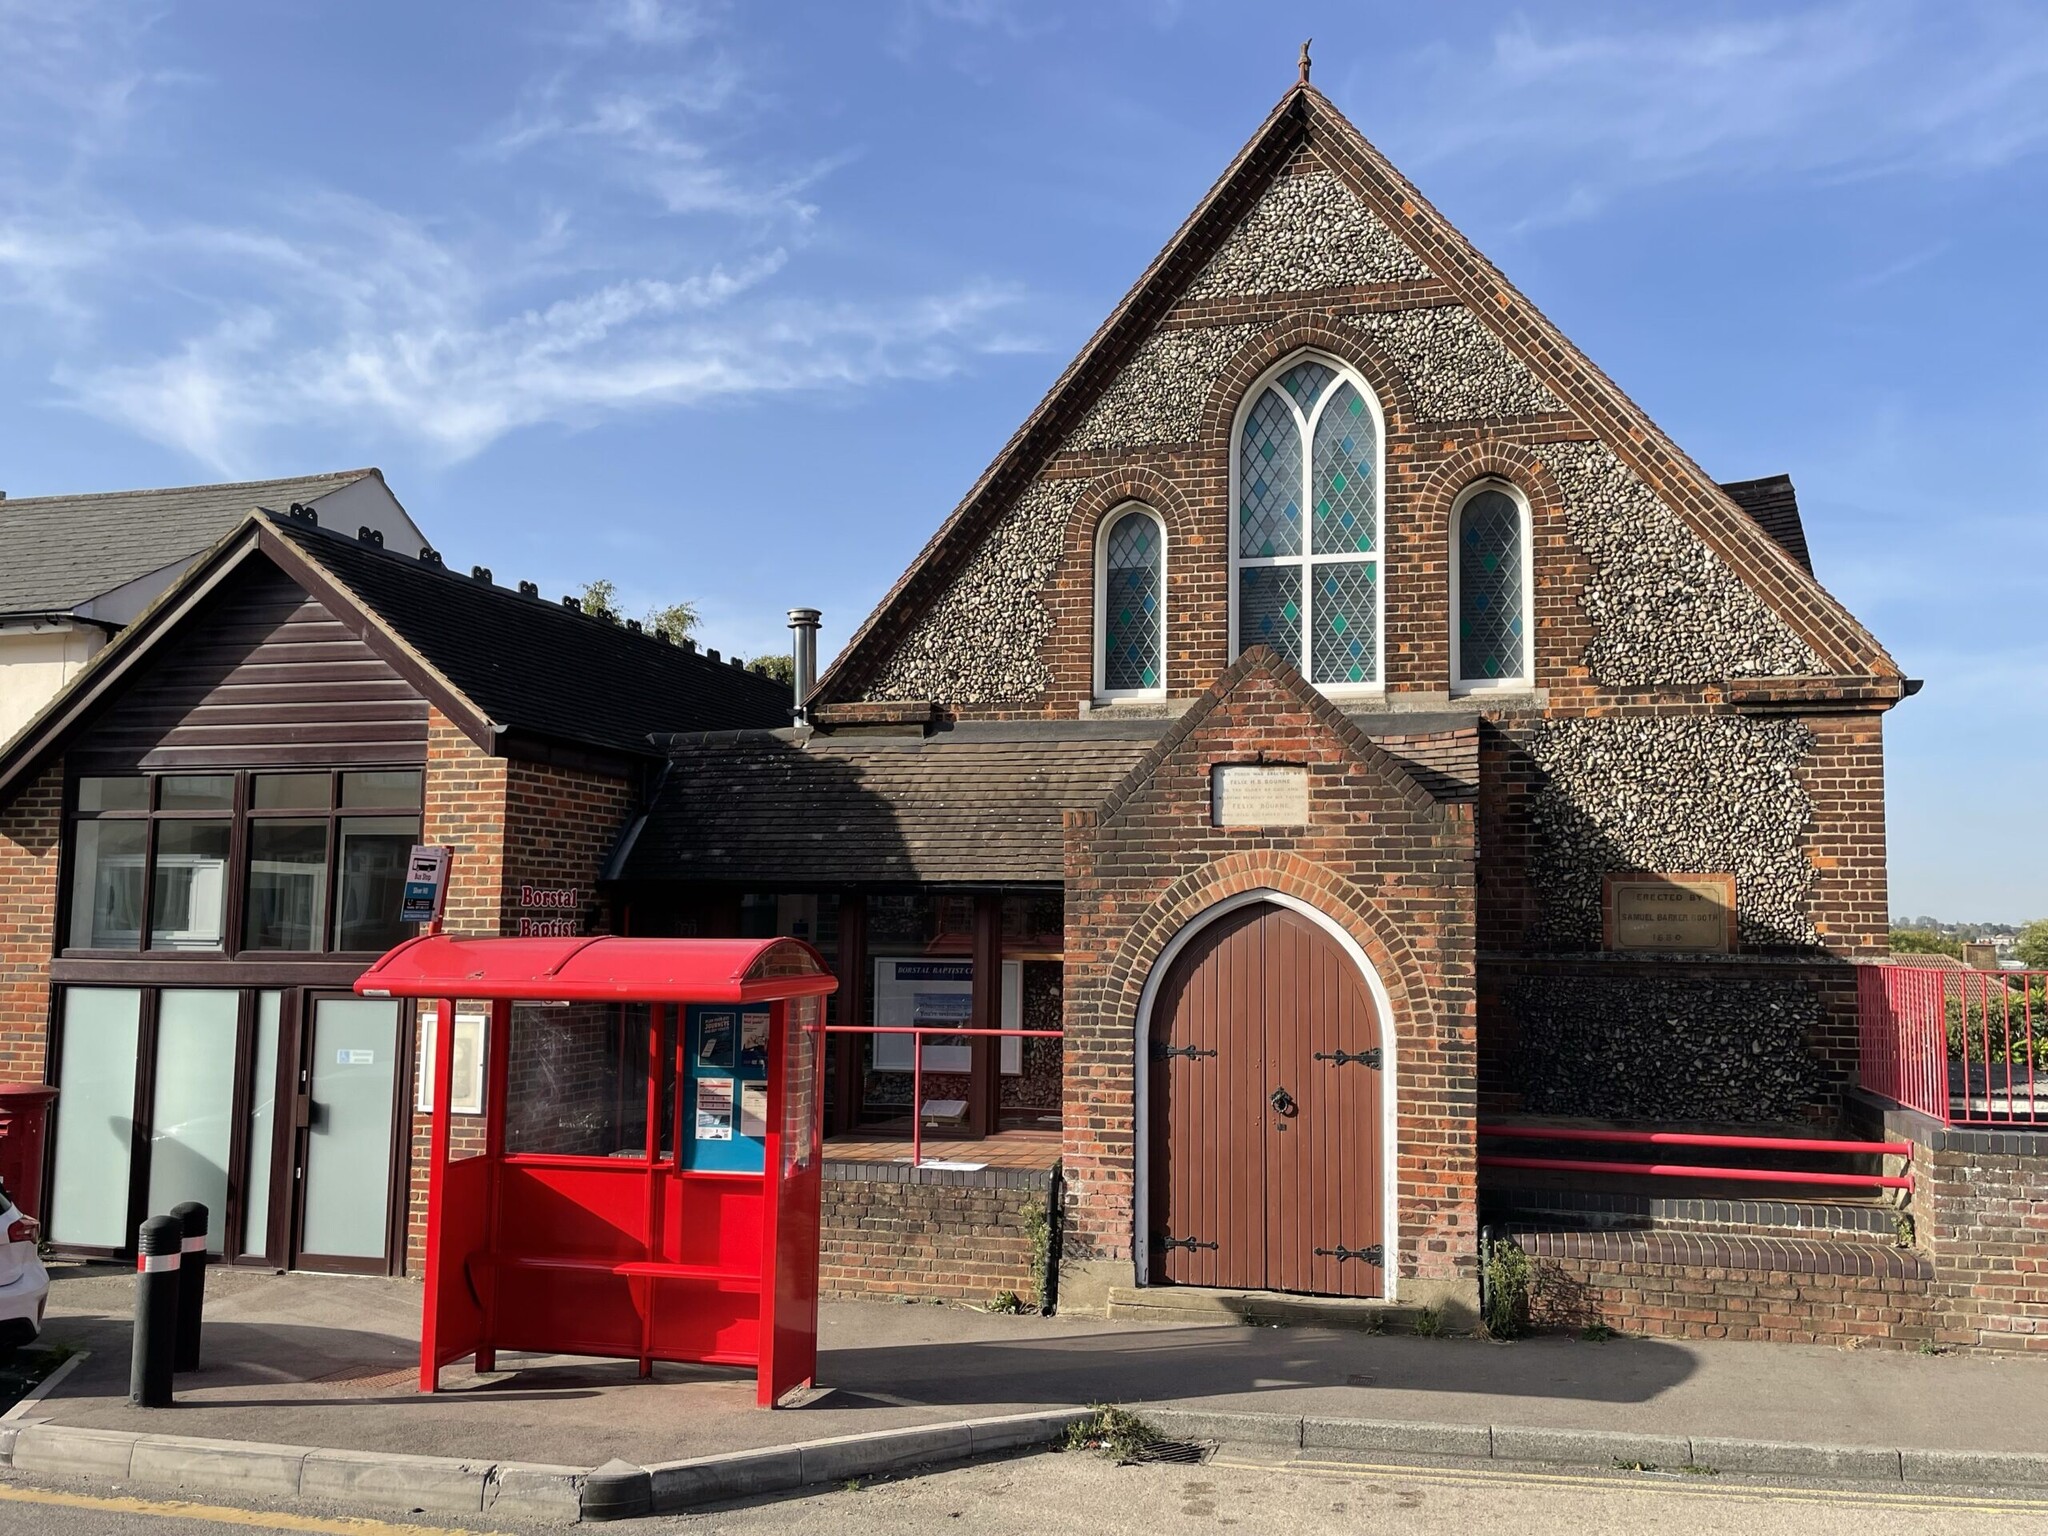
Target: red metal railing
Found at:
x=1962, y=1047
x=918, y=1032
x=1696, y=1170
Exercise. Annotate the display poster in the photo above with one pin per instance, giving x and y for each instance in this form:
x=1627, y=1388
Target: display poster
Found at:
x=714, y=1039
x=467, y=1092
x=941, y=992
x=754, y=1041
x=714, y=1108
x=754, y=1110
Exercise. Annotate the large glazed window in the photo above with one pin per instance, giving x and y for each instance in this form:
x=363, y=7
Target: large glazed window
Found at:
x=226, y=863
x=1307, y=545
x=1131, y=606
x=1490, y=602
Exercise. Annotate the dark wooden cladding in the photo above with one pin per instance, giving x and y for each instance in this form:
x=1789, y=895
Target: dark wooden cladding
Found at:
x=266, y=677
x=1244, y=1194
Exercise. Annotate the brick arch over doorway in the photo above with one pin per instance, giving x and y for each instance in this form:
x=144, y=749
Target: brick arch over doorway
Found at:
x=1265, y=1105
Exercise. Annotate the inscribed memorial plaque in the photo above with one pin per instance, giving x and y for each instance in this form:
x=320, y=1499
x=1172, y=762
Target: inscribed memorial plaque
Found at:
x=1671, y=912
x=1258, y=795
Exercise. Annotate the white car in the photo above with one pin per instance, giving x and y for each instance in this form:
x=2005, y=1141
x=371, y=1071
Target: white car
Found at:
x=24, y=1283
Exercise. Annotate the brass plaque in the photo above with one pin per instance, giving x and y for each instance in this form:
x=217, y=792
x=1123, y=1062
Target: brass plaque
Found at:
x=1258, y=795
x=1671, y=912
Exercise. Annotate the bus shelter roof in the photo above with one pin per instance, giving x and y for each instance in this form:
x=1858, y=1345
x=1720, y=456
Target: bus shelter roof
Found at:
x=603, y=968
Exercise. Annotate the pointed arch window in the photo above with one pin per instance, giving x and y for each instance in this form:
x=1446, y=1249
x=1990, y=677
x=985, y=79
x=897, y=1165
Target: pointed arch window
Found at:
x=1490, y=588
x=1130, y=605
x=1306, y=557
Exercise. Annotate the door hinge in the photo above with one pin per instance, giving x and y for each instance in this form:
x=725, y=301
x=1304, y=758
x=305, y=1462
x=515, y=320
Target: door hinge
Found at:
x=1168, y=1052
x=1162, y=1243
x=1369, y=1058
x=1340, y=1253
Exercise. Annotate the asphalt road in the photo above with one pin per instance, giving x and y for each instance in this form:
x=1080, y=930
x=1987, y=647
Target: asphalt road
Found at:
x=1086, y=1496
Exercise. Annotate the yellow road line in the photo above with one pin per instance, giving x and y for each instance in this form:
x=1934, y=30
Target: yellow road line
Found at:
x=220, y=1514
x=1693, y=1487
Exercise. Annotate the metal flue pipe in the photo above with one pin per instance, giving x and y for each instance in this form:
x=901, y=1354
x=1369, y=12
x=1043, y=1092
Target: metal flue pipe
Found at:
x=803, y=653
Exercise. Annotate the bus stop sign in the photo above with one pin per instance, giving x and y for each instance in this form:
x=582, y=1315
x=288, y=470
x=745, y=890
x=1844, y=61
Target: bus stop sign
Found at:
x=426, y=885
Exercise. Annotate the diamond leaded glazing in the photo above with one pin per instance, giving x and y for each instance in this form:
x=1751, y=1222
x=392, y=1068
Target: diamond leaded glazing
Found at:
x=1269, y=480
x=1269, y=608
x=1347, y=505
x=1347, y=622
x=1131, y=596
x=1491, y=623
x=1311, y=441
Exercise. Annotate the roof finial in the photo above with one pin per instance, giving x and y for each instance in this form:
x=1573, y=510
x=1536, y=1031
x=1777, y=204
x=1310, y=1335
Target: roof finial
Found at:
x=1305, y=61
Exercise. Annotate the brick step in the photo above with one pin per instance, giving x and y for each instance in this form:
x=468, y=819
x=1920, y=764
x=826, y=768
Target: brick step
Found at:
x=1199, y=1304
x=1873, y=1220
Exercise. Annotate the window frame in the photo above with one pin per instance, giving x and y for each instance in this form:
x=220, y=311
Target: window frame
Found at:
x=1116, y=514
x=240, y=815
x=1307, y=561
x=1524, y=679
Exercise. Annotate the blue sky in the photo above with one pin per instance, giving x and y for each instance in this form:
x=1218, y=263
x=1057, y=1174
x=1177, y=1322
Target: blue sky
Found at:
x=731, y=302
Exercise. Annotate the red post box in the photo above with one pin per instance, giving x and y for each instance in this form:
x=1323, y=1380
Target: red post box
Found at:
x=652, y=1163
x=24, y=1125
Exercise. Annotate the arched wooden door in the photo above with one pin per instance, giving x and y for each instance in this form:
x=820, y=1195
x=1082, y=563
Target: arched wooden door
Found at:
x=1264, y=1112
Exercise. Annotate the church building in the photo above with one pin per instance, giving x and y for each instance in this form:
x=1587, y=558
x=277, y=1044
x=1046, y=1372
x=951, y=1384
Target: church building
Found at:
x=1348, y=718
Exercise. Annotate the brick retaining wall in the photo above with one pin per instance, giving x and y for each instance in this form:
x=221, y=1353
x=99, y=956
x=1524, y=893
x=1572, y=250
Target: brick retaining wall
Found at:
x=945, y=1235
x=1686, y=1285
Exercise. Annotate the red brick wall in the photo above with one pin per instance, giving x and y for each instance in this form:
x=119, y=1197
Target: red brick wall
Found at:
x=1687, y=1286
x=941, y=1241
x=1983, y=1217
x=1379, y=858
x=29, y=832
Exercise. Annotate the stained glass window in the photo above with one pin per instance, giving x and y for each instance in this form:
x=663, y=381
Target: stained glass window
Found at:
x=1311, y=444
x=1492, y=638
x=1132, y=593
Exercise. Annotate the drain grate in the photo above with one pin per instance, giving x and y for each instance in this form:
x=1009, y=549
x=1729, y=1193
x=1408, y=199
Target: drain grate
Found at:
x=1187, y=1453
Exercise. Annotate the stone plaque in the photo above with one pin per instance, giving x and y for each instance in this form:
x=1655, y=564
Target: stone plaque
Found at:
x=1671, y=912
x=1258, y=795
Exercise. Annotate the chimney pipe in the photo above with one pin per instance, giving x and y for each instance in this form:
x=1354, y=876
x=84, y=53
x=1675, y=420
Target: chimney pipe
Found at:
x=803, y=653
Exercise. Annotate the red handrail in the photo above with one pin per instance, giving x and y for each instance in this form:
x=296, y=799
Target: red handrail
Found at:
x=918, y=1032
x=1692, y=1171
x=1690, y=1139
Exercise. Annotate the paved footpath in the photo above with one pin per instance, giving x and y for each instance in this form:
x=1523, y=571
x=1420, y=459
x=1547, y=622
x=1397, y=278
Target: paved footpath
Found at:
x=327, y=1362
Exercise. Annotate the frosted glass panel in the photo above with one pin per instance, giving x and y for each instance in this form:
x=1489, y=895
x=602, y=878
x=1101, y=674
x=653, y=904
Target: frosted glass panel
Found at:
x=348, y=1149
x=193, y=1105
x=95, y=1117
x=262, y=1126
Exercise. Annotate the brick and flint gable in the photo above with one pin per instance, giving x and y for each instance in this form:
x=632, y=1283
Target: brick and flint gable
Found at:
x=1649, y=576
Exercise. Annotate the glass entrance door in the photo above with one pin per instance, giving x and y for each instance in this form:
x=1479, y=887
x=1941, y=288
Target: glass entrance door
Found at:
x=349, y=1081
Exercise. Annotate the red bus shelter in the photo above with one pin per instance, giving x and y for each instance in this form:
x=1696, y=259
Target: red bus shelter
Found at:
x=648, y=1182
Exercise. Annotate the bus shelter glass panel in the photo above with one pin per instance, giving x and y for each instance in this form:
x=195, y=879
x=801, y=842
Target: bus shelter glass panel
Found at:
x=576, y=1077
x=348, y=1145
x=95, y=1117
x=193, y=1104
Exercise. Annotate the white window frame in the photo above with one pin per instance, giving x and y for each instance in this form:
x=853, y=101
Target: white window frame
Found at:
x=1115, y=515
x=1525, y=678
x=1307, y=560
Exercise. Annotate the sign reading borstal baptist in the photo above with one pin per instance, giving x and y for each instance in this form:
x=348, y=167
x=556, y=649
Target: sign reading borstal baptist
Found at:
x=564, y=901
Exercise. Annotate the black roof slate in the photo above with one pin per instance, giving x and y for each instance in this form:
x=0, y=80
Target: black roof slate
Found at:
x=536, y=667
x=971, y=804
x=1774, y=506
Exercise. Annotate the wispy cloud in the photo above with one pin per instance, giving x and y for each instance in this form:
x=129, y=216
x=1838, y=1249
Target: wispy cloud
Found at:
x=1863, y=88
x=664, y=267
